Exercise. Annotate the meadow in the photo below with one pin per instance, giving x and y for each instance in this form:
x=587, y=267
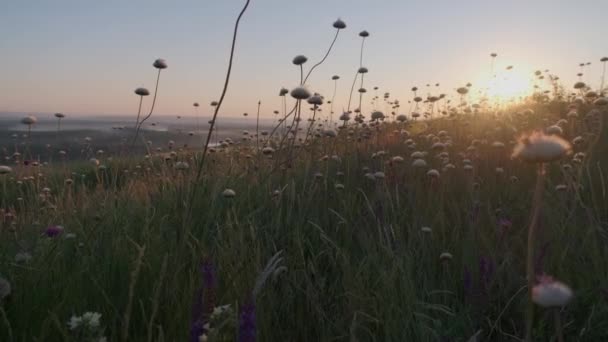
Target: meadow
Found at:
x=443, y=217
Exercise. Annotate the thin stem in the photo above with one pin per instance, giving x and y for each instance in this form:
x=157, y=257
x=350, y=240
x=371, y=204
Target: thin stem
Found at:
x=324, y=57
x=221, y=100
x=257, y=129
x=151, y=109
x=558, y=326
x=361, y=55
x=530, y=274
x=331, y=108
x=603, y=75
x=352, y=88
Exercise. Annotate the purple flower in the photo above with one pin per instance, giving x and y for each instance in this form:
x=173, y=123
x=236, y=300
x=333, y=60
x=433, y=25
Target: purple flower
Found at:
x=468, y=281
x=204, y=301
x=486, y=270
x=247, y=331
x=53, y=231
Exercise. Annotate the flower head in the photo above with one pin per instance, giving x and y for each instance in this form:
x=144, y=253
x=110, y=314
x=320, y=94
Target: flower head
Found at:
x=551, y=293
x=339, y=24
x=160, y=64
x=300, y=93
x=541, y=148
x=229, y=193
x=5, y=288
x=299, y=60
x=53, y=231
x=142, y=92
x=29, y=120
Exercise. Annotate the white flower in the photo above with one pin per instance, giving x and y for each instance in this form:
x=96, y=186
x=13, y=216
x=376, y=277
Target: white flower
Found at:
x=74, y=322
x=228, y=193
x=29, y=120
x=419, y=163
x=5, y=288
x=541, y=148
x=551, y=293
x=23, y=257
x=445, y=256
x=91, y=319
x=5, y=169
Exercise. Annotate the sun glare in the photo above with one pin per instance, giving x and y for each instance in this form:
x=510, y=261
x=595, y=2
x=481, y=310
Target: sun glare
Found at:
x=507, y=85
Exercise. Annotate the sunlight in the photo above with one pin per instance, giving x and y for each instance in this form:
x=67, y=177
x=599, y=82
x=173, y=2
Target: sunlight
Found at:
x=507, y=85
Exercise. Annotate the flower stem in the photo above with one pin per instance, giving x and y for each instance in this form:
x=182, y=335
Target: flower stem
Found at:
x=536, y=203
x=558, y=326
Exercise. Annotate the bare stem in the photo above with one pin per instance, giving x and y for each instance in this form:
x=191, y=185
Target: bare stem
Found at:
x=221, y=100
x=324, y=57
x=558, y=326
x=530, y=274
x=151, y=109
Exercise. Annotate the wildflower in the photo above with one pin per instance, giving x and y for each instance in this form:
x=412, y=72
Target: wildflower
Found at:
x=74, y=322
x=268, y=150
x=22, y=257
x=142, y=92
x=377, y=115
x=5, y=288
x=445, y=256
x=602, y=101
x=540, y=148
x=160, y=64
x=419, y=163
x=316, y=100
x=433, y=173
x=53, y=231
x=551, y=293
x=228, y=193
x=29, y=120
x=91, y=319
x=300, y=93
x=339, y=24
x=299, y=60
x=5, y=169
x=554, y=130
x=247, y=322
x=462, y=90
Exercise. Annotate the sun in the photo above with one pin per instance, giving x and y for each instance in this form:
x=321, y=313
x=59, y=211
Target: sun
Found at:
x=507, y=85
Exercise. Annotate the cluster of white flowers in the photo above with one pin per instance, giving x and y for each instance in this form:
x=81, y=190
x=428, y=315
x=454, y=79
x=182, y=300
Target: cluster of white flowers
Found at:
x=87, y=327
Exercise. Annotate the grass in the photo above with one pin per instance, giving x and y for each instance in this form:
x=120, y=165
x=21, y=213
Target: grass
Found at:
x=358, y=266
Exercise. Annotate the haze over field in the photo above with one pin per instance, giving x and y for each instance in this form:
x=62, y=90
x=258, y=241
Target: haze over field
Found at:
x=264, y=170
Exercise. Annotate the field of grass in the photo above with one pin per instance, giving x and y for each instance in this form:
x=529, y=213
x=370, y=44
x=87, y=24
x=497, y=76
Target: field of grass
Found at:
x=469, y=217
x=356, y=235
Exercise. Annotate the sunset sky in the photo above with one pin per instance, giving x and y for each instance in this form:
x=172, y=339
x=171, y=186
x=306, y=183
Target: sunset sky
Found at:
x=87, y=57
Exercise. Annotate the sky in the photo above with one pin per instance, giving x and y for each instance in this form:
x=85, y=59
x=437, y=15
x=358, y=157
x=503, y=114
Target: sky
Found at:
x=87, y=57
